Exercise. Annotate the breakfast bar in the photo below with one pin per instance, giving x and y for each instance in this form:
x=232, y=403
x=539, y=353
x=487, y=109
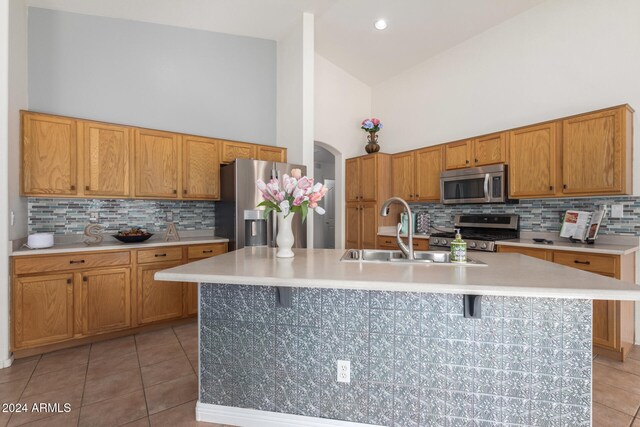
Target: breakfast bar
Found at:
x=314, y=340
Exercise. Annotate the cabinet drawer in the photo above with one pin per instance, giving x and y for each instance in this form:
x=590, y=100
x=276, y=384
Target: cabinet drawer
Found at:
x=386, y=242
x=147, y=256
x=206, y=251
x=590, y=262
x=27, y=265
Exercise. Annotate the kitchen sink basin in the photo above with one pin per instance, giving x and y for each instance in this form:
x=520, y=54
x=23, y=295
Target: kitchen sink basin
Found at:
x=389, y=256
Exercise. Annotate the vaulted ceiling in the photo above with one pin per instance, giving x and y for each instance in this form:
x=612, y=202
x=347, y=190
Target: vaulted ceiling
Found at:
x=417, y=29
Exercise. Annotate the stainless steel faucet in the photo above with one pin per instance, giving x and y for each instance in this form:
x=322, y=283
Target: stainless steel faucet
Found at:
x=407, y=250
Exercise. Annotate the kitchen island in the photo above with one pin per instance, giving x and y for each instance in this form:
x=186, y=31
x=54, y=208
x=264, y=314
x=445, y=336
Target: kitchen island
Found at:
x=273, y=330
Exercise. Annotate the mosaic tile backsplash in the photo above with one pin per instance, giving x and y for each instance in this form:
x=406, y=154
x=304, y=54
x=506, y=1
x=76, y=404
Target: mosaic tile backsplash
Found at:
x=545, y=214
x=415, y=360
x=69, y=216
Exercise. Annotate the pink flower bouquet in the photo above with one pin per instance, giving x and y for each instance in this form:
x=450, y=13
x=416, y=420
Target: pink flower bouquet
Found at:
x=293, y=193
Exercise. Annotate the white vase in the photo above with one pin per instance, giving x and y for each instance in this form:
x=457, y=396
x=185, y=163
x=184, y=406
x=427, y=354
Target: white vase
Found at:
x=284, y=239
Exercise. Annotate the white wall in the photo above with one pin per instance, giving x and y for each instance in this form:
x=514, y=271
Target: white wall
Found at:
x=341, y=103
x=560, y=58
x=295, y=78
x=152, y=75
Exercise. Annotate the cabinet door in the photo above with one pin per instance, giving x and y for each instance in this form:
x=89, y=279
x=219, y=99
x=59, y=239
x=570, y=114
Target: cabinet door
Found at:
x=369, y=225
x=592, y=153
x=42, y=310
x=604, y=324
x=106, y=300
x=352, y=179
x=368, y=178
x=403, y=175
x=158, y=300
x=428, y=168
x=352, y=226
x=232, y=150
x=157, y=163
x=532, y=161
x=201, y=168
x=272, y=154
x=542, y=254
x=490, y=149
x=457, y=155
x=192, y=298
x=107, y=152
x=49, y=153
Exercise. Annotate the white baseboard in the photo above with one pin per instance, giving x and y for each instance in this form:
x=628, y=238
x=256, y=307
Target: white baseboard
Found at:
x=6, y=363
x=243, y=417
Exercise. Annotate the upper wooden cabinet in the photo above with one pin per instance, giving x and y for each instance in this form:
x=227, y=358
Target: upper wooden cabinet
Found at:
x=416, y=174
x=352, y=179
x=201, y=168
x=232, y=150
x=273, y=154
x=367, y=177
x=490, y=149
x=481, y=151
x=533, y=153
x=458, y=154
x=107, y=159
x=157, y=164
x=597, y=152
x=49, y=155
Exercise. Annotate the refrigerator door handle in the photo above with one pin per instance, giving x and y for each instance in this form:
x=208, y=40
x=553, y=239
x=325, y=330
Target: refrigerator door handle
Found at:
x=274, y=225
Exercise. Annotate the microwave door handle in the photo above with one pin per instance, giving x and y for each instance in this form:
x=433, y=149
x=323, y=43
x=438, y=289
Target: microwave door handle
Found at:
x=487, y=196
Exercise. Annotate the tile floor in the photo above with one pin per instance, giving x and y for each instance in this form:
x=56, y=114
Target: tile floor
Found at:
x=150, y=380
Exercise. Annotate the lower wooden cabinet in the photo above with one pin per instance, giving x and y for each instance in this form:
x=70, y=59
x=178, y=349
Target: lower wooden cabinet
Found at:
x=42, y=309
x=158, y=300
x=106, y=300
x=361, y=225
x=613, y=324
x=59, y=298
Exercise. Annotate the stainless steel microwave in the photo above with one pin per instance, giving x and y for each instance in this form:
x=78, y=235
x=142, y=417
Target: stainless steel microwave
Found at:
x=487, y=184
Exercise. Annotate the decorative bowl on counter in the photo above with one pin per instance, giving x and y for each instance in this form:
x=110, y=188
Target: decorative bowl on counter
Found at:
x=133, y=235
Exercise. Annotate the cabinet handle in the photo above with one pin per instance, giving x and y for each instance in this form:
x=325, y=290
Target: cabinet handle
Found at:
x=476, y=160
x=582, y=262
x=551, y=187
x=417, y=195
x=184, y=191
x=77, y=262
x=564, y=186
x=210, y=251
x=85, y=279
x=467, y=161
x=73, y=187
x=175, y=191
x=86, y=187
x=68, y=281
x=160, y=255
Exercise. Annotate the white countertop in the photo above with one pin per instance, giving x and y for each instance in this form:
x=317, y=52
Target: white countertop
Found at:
x=504, y=274
x=605, y=244
x=110, y=244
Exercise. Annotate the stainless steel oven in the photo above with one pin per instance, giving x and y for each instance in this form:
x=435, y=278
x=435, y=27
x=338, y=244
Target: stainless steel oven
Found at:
x=487, y=184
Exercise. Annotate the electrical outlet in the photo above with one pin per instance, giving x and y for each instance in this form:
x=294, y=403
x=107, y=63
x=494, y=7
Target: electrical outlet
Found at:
x=169, y=216
x=344, y=371
x=617, y=211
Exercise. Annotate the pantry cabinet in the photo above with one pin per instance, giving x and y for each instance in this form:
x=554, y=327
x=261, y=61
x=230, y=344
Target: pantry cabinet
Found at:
x=49, y=155
x=61, y=298
x=613, y=326
x=107, y=159
x=157, y=164
x=533, y=161
x=597, y=152
x=201, y=168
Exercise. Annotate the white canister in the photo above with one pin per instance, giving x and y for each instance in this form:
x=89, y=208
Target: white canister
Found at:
x=40, y=240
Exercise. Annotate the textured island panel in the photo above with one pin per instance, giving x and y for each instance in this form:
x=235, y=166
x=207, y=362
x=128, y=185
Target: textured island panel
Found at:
x=415, y=360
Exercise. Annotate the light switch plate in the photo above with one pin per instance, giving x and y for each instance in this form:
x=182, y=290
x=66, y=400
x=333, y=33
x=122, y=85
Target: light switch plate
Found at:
x=617, y=211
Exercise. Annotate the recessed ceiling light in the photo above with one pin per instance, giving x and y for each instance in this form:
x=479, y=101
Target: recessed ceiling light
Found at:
x=380, y=24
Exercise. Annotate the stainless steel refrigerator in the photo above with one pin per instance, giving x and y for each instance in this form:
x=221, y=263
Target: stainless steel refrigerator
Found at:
x=238, y=192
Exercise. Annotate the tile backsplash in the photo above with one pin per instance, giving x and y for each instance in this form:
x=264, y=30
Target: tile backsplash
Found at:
x=545, y=214
x=70, y=216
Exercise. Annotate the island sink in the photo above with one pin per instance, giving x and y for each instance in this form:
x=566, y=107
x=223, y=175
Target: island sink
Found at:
x=420, y=257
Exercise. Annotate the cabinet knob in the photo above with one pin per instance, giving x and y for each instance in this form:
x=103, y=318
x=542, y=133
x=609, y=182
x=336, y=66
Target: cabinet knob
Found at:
x=551, y=187
x=417, y=195
x=85, y=279
x=86, y=187
x=476, y=160
x=467, y=161
x=184, y=191
x=564, y=186
x=175, y=191
x=68, y=281
x=72, y=187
